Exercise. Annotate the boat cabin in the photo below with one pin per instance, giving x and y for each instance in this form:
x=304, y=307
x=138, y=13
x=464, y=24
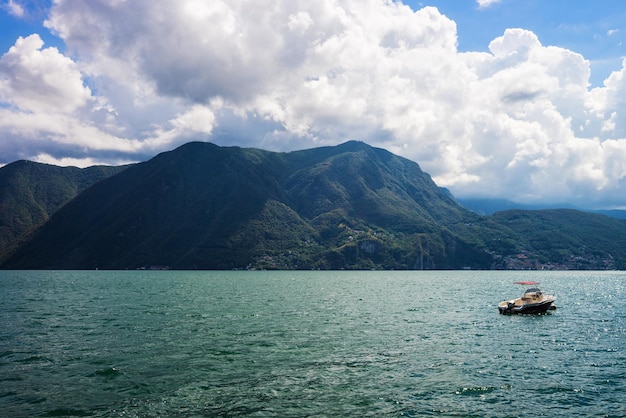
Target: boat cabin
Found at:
x=532, y=294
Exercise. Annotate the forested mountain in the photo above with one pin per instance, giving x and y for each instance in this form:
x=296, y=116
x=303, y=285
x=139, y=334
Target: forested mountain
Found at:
x=30, y=192
x=202, y=206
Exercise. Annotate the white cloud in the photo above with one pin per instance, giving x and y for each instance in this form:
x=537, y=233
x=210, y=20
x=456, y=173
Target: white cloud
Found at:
x=517, y=122
x=197, y=121
x=40, y=80
x=45, y=105
x=73, y=162
x=483, y=4
x=14, y=8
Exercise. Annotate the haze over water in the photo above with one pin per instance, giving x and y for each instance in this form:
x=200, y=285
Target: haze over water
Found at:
x=140, y=343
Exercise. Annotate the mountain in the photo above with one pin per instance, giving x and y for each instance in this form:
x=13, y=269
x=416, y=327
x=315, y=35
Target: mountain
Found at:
x=209, y=207
x=351, y=206
x=30, y=192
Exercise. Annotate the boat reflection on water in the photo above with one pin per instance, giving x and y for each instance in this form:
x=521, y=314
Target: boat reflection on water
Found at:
x=532, y=302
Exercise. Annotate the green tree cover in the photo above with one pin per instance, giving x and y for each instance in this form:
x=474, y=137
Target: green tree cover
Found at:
x=352, y=206
x=30, y=192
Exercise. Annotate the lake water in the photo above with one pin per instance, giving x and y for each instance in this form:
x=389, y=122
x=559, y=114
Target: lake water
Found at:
x=168, y=343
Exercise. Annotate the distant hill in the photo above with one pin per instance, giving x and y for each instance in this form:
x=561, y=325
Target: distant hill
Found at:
x=351, y=206
x=30, y=192
x=491, y=206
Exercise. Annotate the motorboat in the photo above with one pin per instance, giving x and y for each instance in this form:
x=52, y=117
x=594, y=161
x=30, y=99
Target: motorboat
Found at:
x=532, y=302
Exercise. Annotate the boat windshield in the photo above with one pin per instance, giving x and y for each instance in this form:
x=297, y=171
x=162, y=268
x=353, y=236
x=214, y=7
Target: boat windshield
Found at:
x=533, y=290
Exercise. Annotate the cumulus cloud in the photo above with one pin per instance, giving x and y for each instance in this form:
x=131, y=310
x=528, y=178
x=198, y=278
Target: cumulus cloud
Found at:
x=518, y=121
x=40, y=80
x=50, y=114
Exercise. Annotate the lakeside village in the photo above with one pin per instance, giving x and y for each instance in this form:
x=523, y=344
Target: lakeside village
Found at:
x=520, y=261
x=528, y=261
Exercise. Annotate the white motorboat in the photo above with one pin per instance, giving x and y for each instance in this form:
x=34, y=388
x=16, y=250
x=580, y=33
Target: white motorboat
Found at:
x=534, y=301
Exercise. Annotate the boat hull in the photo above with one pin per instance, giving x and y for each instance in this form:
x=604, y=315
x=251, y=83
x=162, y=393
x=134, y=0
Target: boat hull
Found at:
x=510, y=308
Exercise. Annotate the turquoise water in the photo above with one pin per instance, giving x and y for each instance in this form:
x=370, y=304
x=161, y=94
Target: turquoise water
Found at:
x=309, y=344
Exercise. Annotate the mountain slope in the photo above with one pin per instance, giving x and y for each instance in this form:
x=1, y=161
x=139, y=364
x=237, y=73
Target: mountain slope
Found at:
x=210, y=207
x=30, y=192
x=567, y=238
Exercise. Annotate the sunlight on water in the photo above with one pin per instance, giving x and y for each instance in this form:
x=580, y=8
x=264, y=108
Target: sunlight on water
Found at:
x=309, y=343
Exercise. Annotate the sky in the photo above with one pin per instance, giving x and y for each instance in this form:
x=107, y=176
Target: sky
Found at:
x=512, y=99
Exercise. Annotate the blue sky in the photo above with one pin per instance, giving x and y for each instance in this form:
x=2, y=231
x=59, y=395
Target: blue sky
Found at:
x=515, y=99
x=22, y=19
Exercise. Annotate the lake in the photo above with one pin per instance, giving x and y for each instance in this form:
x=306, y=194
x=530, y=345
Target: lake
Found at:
x=338, y=343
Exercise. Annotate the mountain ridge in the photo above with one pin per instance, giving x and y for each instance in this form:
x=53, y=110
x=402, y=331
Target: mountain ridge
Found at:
x=351, y=206
x=491, y=206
